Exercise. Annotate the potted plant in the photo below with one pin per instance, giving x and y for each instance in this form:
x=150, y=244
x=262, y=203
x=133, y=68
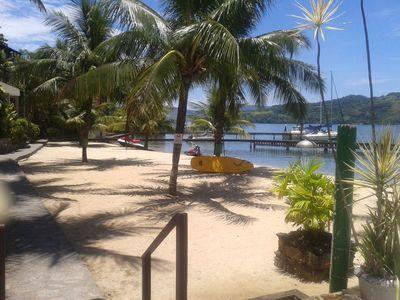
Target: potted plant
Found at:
x=306, y=252
x=380, y=244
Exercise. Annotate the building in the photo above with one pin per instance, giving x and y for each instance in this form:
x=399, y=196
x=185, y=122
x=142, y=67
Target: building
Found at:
x=12, y=93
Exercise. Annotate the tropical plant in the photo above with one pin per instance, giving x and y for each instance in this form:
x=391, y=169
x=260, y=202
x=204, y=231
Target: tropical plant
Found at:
x=317, y=19
x=73, y=69
x=149, y=123
x=208, y=118
x=380, y=245
x=8, y=115
x=194, y=41
x=309, y=194
x=23, y=131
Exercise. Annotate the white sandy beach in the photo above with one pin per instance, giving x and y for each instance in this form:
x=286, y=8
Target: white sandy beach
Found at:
x=112, y=208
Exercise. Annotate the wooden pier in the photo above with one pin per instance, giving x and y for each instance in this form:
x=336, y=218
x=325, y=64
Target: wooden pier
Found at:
x=279, y=139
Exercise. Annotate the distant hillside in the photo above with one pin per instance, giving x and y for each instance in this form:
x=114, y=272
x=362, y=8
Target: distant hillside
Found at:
x=355, y=110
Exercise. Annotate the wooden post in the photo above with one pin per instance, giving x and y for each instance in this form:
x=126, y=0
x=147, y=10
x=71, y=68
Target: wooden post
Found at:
x=181, y=257
x=146, y=277
x=2, y=262
x=341, y=237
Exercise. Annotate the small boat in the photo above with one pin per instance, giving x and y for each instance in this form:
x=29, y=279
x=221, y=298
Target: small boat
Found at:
x=312, y=133
x=318, y=133
x=126, y=141
x=224, y=165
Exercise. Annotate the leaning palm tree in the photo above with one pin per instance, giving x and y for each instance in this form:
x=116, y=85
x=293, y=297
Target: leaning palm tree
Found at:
x=317, y=19
x=189, y=44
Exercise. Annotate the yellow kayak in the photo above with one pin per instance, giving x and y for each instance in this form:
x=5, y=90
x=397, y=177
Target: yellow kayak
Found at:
x=226, y=165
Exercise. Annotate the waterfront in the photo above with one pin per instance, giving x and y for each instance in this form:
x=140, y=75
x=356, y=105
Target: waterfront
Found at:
x=275, y=157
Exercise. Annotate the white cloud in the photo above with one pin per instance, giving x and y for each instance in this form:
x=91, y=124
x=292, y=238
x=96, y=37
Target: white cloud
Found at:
x=22, y=24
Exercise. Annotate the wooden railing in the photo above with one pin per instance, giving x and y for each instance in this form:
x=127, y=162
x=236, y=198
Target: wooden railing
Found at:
x=179, y=221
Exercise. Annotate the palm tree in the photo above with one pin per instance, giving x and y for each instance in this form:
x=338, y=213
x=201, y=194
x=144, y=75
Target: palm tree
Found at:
x=317, y=18
x=379, y=193
x=73, y=66
x=189, y=45
x=209, y=117
x=39, y=4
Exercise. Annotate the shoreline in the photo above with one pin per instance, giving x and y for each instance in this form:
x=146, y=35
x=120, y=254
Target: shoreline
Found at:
x=112, y=208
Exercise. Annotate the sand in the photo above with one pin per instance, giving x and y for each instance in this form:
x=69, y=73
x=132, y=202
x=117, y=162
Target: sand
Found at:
x=112, y=208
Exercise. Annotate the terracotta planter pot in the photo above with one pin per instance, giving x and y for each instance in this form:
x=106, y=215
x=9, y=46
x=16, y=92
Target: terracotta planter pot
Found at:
x=373, y=288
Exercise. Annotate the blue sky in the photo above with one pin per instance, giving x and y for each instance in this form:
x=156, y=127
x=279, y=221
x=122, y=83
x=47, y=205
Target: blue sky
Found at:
x=342, y=52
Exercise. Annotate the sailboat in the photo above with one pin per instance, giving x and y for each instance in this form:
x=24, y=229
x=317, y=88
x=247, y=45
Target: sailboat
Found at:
x=317, y=133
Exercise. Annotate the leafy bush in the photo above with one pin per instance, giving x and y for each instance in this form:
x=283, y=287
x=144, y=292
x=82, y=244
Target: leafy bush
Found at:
x=309, y=194
x=380, y=244
x=7, y=117
x=22, y=131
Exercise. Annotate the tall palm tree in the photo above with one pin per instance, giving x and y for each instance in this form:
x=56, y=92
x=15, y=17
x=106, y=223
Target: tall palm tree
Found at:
x=189, y=43
x=73, y=66
x=379, y=192
x=317, y=19
x=271, y=70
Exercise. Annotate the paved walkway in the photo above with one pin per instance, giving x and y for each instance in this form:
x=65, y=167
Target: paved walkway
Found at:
x=41, y=263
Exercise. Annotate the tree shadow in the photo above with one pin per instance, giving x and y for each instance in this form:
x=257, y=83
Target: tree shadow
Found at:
x=92, y=165
x=216, y=197
x=33, y=234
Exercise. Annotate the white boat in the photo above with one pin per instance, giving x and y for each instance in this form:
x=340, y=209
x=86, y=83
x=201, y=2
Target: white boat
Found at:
x=318, y=134
x=311, y=133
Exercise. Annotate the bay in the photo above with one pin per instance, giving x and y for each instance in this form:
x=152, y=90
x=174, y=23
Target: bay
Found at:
x=275, y=157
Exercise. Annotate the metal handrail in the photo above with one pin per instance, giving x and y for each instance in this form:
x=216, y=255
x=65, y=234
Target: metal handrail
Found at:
x=180, y=222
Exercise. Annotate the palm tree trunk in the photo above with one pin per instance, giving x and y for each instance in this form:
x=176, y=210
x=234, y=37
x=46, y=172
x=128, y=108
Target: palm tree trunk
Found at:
x=379, y=191
x=219, y=133
x=84, y=136
x=179, y=131
x=146, y=141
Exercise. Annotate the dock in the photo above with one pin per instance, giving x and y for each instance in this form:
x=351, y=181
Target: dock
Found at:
x=274, y=139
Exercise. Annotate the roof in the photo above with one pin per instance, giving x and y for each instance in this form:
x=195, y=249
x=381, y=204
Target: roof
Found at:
x=9, y=89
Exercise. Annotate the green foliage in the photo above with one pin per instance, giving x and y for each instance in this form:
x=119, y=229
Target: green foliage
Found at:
x=23, y=131
x=309, y=194
x=354, y=107
x=207, y=115
x=380, y=245
x=7, y=117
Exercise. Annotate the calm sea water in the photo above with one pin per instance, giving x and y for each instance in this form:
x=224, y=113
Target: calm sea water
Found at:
x=276, y=157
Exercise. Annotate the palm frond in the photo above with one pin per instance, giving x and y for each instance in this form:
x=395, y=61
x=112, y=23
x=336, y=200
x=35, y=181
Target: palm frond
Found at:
x=157, y=84
x=136, y=14
x=39, y=4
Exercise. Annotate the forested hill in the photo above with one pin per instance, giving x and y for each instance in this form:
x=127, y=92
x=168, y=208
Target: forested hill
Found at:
x=355, y=110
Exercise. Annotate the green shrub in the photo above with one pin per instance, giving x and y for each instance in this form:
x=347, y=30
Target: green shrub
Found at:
x=33, y=131
x=309, y=194
x=23, y=131
x=7, y=116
